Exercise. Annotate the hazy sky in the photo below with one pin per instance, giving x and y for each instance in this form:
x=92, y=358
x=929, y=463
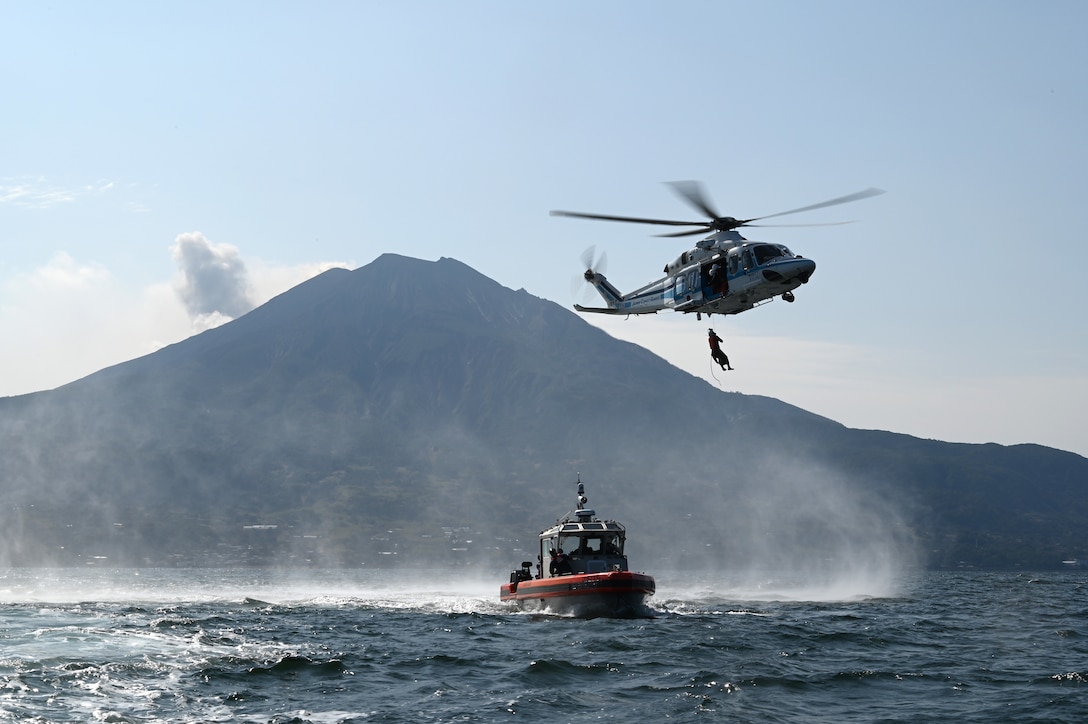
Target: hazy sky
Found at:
x=166, y=166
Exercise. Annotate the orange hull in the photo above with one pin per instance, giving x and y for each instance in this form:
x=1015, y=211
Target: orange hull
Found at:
x=619, y=594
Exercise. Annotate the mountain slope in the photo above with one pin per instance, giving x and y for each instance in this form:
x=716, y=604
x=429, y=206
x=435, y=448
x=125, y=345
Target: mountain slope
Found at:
x=421, y=398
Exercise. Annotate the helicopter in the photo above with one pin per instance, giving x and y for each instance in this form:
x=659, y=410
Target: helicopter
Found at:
x=724, y=274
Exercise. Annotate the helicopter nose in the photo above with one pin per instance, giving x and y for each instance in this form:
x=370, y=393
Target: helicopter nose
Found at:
x=805, y=267
x=793, y=269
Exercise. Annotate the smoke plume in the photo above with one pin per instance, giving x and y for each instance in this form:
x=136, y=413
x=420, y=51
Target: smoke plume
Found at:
x=213, y=282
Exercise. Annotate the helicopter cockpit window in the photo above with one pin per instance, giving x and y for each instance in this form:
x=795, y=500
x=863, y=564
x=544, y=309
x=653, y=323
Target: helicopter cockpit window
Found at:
x=733, y=264
x=767, y=252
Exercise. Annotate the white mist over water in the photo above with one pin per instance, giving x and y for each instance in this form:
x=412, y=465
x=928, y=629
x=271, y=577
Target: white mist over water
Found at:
x=679, y=592
x=794, y=530
x=418, y=591
x=439, y=591
x=789, y=531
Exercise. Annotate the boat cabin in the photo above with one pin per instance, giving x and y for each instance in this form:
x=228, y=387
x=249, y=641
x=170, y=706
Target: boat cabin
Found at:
x=590, y=546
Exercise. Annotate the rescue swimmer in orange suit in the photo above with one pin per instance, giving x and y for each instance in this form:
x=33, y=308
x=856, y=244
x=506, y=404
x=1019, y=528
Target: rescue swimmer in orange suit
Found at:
x=716, y=351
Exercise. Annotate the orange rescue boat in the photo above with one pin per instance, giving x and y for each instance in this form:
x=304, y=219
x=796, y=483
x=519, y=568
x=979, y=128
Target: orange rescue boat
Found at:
x=581, y=571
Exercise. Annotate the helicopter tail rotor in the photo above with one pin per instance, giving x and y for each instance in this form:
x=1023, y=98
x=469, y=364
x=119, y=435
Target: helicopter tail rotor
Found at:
x=593, y=264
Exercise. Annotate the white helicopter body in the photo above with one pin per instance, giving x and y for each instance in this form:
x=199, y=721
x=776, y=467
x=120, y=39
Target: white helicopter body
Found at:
x=724, y=274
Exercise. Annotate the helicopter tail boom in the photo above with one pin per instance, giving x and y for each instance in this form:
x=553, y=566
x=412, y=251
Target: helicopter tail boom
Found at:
x=612, y=297
x=618, y=303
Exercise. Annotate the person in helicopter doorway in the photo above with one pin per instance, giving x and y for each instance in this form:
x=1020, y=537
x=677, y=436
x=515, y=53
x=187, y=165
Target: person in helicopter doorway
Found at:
x=719, y=283
x=560, y=564
x=716, y=351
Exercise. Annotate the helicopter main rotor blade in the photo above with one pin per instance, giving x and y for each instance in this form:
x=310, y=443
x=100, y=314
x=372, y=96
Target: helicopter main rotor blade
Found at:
x=631, y=219
x=692, y=192
x=709, y=228
x=693, y=232
x=867, y=193
x=793, y=226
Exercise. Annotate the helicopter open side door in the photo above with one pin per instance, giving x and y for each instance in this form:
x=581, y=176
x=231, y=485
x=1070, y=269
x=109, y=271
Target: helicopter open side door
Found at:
x=714, y=278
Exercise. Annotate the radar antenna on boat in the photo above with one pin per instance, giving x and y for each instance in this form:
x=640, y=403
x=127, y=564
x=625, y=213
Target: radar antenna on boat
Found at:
x=583, y=513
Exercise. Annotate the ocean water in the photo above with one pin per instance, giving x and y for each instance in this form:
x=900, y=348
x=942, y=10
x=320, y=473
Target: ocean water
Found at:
x=352, y=646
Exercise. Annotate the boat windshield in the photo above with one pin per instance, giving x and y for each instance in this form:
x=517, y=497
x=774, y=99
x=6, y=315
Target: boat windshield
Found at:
x=608, y=544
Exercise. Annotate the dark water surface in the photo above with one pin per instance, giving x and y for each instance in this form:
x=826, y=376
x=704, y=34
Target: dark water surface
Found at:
x=258, y=646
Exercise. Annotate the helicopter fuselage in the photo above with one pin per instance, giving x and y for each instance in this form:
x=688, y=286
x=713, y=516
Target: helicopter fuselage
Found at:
x=723, y=274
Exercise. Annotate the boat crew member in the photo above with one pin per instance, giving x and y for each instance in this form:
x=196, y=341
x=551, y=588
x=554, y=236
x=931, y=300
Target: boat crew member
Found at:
x=560, y=563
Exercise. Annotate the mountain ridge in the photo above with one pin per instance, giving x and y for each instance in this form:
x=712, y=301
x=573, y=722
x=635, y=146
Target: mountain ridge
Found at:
x=422, y=396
